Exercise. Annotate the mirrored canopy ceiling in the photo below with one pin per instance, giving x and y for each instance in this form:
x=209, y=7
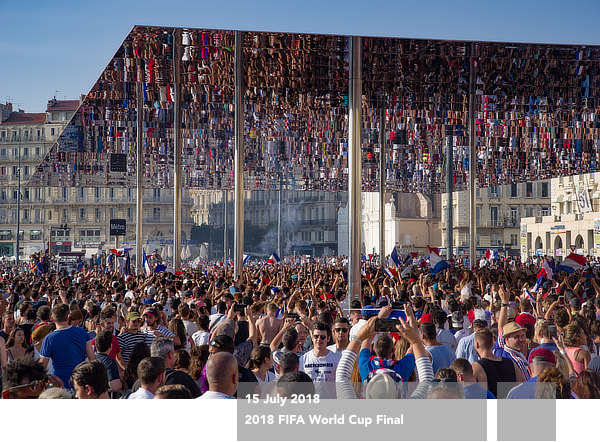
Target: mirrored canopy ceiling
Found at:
x=536, y=112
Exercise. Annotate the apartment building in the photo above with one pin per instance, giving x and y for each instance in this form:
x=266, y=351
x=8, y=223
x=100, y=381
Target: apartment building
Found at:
x=498, y=214
x=573, y=223
x=63, y=218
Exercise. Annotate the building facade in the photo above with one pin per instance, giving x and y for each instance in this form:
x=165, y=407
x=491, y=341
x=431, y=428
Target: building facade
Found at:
x=412, y=221
x=68, y=219
x=499, y=210
x=572, y=225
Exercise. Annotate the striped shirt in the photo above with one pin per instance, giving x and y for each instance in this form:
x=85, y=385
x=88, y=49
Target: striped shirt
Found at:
x=128, y=340
x=518, y=358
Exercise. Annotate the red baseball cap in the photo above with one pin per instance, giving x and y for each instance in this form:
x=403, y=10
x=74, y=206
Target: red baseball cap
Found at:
x=541, y=354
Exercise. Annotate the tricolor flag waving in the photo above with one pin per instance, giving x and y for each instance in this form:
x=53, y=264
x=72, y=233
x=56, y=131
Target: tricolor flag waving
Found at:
x=146, y=264
x=273, y=259
x=436, y=262
x=395, y=258
x=572, y=263
x=547, y=270
x=390, y=272
x=246, y=259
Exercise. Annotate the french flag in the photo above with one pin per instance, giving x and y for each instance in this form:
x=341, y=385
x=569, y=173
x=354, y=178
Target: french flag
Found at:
x=436, y=262
x=146, y=264
x=527, y=295
x=395, y=258
x=572, y=263
x=538, y=283
x=406, y=271
x=117, y=252
x=246, y=259
x=390, y=272
x=273, y=259
x=547, y=270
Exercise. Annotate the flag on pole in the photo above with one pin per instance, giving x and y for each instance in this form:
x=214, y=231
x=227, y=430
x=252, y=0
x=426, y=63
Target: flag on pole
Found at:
x=406, y=271
x=548, y=269
x=390, y=272
x=145, y=263
x=436, y=262
x=572, y=263
x=395, y=258
x=246, y=259
x=273, y=259
x=127, y=267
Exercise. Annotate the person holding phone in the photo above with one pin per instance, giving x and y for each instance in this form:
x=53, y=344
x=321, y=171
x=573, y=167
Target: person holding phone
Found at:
x=382, y=353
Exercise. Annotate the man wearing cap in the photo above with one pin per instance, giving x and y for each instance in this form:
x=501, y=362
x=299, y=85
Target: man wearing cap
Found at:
x=154, y=328
x=512, y=342
x=539, y=359
x=132, y=335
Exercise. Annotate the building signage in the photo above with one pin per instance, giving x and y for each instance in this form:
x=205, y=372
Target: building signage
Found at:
x=118, y=227
x=597, y=233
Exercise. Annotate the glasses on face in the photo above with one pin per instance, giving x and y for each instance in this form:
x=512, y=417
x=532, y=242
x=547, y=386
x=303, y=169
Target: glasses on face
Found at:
x=34, y=385
x=344, y=330
x=317, y=337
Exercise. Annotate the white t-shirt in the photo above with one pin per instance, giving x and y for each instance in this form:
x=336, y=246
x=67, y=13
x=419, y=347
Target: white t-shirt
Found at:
x=201, y=337
x=322, y=371
x=356, y=327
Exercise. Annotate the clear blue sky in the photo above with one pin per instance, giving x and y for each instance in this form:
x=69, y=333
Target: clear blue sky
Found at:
x=48, y=46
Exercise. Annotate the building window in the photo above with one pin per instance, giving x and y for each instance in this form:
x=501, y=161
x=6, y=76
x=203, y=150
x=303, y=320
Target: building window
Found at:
x=494, y=215
x=25, y=214
x=82, y=213
x=35, y=235
x=545, y=211
x=529, y=211
x=49, y=215
x=529, y=190
x=98, y=214
x=156, y=213
x=514, y=239
x=545, y=190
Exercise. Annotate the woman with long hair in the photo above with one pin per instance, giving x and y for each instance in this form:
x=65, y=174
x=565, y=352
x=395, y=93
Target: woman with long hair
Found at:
x=587, y=385
x=574, y=339
x=261, y=359
x=176, y=326
x=139, y=352
x=16, y=346
x=199, y=356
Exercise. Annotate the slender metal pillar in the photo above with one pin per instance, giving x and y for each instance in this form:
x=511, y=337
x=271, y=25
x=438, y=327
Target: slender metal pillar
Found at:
x=17, y=252
x=382, y=185
x=449, y=190
x=238, y=248
x=279, y=219
x=472, y=159
x=226, y=194
x=140, y=174
x=354, y=167
x=177, y=146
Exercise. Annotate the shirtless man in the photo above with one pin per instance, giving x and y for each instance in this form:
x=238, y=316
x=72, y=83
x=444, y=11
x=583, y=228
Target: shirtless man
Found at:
x=269, y=325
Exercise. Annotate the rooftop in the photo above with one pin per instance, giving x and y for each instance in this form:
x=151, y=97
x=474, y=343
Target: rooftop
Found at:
x=55, y=105
x=25, y=118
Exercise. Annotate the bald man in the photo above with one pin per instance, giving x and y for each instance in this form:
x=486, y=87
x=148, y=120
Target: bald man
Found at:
x=222, y=376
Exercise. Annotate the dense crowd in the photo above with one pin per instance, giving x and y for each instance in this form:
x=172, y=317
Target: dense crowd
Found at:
x=291, y=327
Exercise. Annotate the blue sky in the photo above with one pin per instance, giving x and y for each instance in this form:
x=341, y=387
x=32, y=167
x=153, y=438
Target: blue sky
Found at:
x=64, y=45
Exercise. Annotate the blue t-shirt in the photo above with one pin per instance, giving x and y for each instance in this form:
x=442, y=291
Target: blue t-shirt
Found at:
x=442, y=356
x=66, y=348
x=476, y=391
x=404, y=367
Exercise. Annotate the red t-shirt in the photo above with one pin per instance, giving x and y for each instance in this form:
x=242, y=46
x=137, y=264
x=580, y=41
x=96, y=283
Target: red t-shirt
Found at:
x=114, y=350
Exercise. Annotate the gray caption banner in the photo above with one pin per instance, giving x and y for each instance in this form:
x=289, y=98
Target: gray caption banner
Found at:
x=352, y=420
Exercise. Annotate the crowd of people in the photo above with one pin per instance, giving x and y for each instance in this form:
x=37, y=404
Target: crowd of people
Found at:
x=292, y=328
